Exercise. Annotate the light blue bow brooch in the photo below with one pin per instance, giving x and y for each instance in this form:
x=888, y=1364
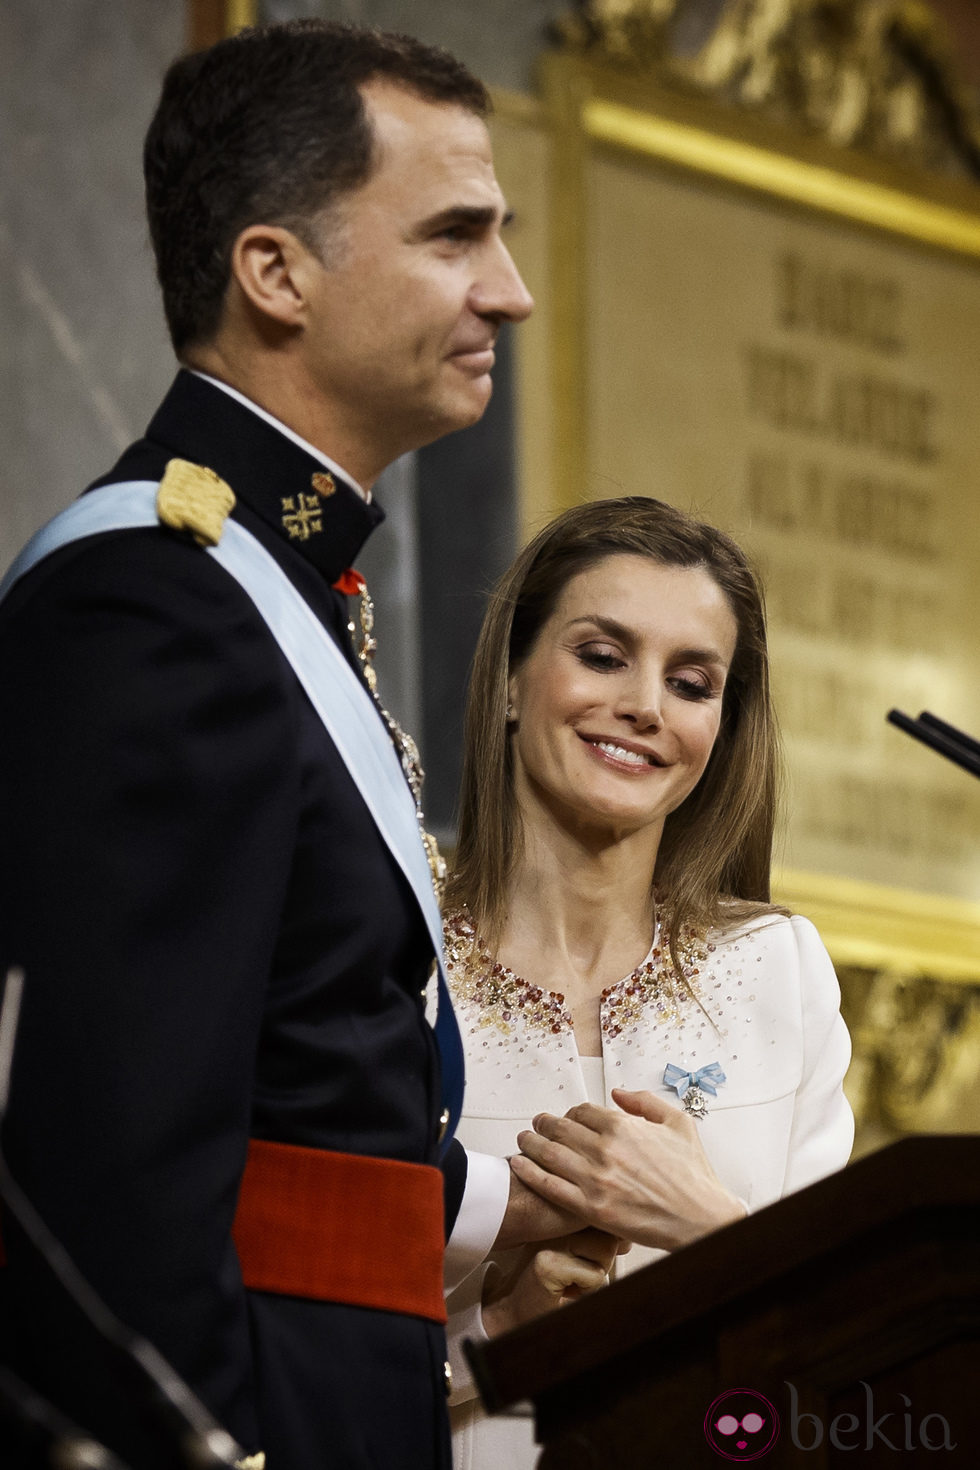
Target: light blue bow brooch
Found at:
x=692, y=1086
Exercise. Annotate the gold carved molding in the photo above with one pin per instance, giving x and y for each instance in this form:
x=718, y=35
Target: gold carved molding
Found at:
x=874, y=75
x=909, y=968
x=876, y=927
x=915, y=1066
x=208, y=21
x=240, y=13
x=910, y=981
x=816, y=185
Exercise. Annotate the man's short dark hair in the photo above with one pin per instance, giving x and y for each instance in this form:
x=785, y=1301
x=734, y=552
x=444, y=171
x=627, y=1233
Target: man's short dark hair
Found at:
x=268, y=127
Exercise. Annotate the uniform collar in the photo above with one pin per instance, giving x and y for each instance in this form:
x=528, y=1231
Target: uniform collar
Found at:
x=286, y=483
x=277, y=424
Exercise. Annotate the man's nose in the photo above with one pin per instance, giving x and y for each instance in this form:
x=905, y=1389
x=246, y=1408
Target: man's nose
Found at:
x=501, y=292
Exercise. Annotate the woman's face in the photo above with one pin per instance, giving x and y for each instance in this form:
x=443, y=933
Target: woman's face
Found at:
x=618, y=704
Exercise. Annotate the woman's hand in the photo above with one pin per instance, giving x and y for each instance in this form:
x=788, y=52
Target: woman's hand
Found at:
x=547, y=1276
x=640, y=1173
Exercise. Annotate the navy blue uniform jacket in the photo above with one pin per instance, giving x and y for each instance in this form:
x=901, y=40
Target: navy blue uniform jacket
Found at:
x=217, y=945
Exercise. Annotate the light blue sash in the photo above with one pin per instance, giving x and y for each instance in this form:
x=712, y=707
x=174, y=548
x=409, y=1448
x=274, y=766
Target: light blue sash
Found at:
x=334, y=690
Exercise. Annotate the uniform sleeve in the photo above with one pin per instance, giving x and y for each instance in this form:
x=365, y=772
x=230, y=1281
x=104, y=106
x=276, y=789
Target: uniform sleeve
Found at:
x=823, y=1125
x=454, y=1167
x=148, y=816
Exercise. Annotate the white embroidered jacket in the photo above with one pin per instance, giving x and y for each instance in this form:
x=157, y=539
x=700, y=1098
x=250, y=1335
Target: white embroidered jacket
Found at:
x=769, y=1015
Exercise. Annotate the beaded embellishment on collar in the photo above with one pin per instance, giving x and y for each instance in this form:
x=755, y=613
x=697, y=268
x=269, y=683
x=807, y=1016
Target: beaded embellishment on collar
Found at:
x=654, y=983
x=502, y=998
x=498, y=997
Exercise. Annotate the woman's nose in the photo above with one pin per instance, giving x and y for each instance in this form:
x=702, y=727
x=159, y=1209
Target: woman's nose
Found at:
x=642, y=703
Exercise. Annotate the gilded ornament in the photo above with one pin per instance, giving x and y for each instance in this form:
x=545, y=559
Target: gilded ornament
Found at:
x=405, y=746
x=324, y=483
x=916, y=1060
x=875, y=75
x=193, y=498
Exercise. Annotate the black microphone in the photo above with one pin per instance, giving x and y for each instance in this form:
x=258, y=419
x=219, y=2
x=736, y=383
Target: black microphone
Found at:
x=199, y=1442
x=941, y=737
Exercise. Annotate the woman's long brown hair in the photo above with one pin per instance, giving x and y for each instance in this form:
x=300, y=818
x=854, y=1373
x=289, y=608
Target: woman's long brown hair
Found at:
x=714, y=860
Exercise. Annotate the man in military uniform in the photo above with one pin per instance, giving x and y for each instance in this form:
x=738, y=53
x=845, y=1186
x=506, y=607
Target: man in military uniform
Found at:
x=226, y=1099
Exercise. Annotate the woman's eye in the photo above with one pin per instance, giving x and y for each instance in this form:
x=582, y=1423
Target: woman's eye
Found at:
x=691, y=688
x=600, y=658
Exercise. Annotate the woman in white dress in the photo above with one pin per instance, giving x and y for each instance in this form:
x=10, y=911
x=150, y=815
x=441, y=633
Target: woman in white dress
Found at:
x=656, y=1047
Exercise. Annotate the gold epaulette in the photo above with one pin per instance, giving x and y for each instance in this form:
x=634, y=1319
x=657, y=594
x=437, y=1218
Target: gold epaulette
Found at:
x=252, y=1462
x=193, y=498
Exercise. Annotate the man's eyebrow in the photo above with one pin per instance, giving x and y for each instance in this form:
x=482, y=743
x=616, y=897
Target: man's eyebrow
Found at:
x=476, y=216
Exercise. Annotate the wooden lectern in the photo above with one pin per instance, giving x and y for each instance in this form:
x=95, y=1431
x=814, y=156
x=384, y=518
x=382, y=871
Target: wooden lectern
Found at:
x=852, y=1307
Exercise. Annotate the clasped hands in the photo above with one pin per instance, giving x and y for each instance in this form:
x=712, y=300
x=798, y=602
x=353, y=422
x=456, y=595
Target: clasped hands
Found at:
x=586, y=1186
x=545, y=1275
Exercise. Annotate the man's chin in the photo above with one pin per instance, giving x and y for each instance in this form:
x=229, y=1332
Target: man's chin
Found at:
x=464, y=409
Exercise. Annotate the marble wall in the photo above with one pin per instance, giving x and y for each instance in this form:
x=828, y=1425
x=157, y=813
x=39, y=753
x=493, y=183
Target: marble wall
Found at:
x=83, y=351
x=498, y=39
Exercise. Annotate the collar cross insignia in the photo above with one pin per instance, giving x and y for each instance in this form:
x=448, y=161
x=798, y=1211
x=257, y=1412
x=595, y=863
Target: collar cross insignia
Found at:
x=301, y=516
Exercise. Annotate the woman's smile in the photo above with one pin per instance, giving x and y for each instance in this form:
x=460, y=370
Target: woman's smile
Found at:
x=631, y=757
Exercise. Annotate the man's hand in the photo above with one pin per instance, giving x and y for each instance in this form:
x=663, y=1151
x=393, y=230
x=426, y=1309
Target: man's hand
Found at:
x=640, y=1173
x=530, y=1218
x=547, y=1276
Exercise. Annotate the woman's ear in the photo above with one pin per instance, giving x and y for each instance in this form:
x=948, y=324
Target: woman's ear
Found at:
x=271, y=267
x=511, y=712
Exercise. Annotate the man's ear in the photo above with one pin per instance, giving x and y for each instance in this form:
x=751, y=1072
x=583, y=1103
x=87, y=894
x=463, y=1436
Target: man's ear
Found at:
x=272, y=268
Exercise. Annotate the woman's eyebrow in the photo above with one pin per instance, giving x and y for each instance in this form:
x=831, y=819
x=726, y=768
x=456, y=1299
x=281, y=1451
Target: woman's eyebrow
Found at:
x=607, y=625
x=620, y=631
